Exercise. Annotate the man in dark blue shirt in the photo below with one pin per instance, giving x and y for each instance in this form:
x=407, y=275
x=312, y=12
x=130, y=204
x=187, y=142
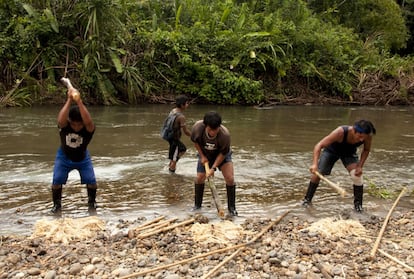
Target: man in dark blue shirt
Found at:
x=342, y=143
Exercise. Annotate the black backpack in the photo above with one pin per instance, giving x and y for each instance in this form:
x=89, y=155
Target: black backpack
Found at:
x=167, y=131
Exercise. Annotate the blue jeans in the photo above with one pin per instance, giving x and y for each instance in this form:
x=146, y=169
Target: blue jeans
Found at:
x=63, y=166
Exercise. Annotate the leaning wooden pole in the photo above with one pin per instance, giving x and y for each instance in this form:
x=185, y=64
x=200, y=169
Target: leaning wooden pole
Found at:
x=384, y=225
x=206, y=254
x=259, y=235
x=265, y=229
x=217, y=267
x=396, y=260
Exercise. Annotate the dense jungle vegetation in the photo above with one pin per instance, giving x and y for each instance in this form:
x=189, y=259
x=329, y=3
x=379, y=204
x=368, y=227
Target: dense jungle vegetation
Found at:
x=216, y=51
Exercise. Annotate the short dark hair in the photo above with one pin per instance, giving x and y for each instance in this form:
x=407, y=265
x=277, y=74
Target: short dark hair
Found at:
x=212, y=119
x=74, y=114
x=181, y=100
x=364, y=127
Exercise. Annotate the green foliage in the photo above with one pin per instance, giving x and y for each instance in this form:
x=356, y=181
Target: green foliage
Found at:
x=382, y=20
x=407, y=7
x=18, y=98
x=27, y=44
x=227, y=52
x=330, y=57
x=220, y=86
x=379, y=192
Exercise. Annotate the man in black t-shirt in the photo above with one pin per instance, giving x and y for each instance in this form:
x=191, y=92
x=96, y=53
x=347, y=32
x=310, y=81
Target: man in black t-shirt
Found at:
x=76, y=129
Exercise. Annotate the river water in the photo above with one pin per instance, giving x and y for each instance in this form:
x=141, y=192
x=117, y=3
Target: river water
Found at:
x=272, y=151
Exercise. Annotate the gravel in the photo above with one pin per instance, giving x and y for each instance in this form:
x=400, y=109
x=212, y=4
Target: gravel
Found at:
x=289, y=249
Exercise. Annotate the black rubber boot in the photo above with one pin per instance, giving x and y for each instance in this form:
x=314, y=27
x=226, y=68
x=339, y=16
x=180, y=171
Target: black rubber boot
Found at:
x=231, y=199
x=198, y=195
x=91, y=188
x=57, y=198
x=309, y=194
x=358, y=194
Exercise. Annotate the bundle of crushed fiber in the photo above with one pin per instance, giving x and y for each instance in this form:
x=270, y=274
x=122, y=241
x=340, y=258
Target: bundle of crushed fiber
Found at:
x=67, y=229
x=220, y=232
x=340, y=228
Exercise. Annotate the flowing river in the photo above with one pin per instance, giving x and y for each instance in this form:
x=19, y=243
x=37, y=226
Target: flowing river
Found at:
x=272, y=152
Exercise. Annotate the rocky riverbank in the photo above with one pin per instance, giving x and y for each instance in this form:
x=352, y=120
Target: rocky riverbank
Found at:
x=164, y=247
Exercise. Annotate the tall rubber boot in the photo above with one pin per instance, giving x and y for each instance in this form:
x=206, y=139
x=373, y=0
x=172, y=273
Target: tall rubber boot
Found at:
x=57, y=198
x=231, y=199
x=358, y=194
x=198, y=195
x=309, y=194
x=91, y=188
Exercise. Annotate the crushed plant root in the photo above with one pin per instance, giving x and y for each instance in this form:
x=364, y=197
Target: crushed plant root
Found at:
x=221, y=232
x=67, y=229
x=340, y=228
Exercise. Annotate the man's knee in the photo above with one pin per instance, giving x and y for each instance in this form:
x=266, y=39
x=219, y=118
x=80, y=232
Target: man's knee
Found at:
x=92, y=186
x=357, y=180
x=56, y=187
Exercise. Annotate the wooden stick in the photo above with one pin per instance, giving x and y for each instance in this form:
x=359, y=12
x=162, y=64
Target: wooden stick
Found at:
x=214, y=270
x=216, y=198
x=396, y=260
x=333, y=185
x=159, y=226
x=149, y=224
x=206, y=254
x=67, y=82
x=377, y=242
x=183, y=261
x=262, y=232
x=167, y=228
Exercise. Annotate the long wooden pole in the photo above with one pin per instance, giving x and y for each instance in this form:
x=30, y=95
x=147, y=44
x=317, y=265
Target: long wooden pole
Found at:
x=396, y=260
x=384, y=225
x=262, y=232
x=208, y=253
x=217, y=267
x=265, y=229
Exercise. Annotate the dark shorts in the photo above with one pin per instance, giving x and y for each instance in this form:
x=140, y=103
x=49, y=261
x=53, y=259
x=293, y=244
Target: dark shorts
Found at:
x=200, y=167
x=63, y=166
x=176, y=148
x=328, y=159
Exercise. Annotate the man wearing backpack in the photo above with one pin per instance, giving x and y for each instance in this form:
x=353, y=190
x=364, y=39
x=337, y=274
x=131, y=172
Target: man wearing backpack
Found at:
x=177, y=147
